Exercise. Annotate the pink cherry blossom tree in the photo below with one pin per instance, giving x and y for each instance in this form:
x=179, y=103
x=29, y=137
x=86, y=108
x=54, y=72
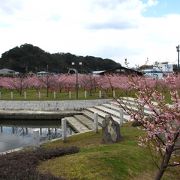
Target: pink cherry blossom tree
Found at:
x=114, y=81
x=88, y=82
x=47, y=82
x=15, y=83
x=34, y=83
x=162, y=124
x=58, y=82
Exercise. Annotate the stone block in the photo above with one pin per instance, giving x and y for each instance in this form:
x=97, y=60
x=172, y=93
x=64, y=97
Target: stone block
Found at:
x=110, y=131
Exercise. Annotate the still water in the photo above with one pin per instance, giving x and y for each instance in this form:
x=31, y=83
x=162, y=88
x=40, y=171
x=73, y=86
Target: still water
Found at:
x=19, y=133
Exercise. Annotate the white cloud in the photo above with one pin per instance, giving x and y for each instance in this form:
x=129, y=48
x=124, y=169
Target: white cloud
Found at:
x=152, y=2
x=10, y=7
x=106, y=28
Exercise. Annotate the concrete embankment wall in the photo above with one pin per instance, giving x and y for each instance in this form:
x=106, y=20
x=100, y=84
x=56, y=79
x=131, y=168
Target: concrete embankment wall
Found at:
x=50, y=105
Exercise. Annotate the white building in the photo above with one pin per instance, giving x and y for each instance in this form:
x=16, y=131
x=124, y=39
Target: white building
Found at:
x=42, y=73
x=8, y=72
x=159, y=70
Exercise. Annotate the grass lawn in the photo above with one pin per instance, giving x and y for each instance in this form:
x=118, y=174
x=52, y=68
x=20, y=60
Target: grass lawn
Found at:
x=33, y=94
x=124, y=160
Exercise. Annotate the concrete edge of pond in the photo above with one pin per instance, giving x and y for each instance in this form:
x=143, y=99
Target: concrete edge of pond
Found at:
x=35, y=115
x=41, y=143
x=11, y=151
x=45, y=110
x=50, y=105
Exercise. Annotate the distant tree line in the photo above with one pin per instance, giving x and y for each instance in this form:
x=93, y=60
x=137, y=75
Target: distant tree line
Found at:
x=29, y=58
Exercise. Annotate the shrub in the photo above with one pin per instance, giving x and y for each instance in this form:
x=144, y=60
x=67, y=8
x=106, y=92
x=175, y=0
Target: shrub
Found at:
x=22, y=165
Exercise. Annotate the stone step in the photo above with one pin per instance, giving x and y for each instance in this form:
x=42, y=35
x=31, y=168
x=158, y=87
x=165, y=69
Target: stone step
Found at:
x=76, y=125
x=113, y=112
x=126, y=102
x=85, y=121
x=108, y=110
x=132, y=106
x=90, y=115
x=129, y=98
x=102, y=114
x=133, y=101
x=112, y=106
x=146, y=112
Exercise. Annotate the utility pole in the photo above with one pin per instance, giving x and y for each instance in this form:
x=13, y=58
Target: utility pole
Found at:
x=178, y=48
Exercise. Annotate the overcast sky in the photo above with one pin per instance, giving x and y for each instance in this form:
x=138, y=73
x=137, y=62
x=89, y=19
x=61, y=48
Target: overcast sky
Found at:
x=118, y=29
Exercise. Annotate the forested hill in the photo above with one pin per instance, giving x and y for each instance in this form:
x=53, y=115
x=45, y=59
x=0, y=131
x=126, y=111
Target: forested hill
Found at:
x=28, y=58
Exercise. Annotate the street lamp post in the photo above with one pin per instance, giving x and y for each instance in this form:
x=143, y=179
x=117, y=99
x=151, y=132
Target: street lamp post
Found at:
x=77, y=83
x=47, y=80
x=76, y=72
x=178, y=48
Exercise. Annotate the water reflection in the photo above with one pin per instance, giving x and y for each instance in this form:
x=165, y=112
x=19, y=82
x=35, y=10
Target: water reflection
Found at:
x=14, y=134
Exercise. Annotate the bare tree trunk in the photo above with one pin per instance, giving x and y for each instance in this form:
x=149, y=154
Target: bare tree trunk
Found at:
x=47, y=92
x=47, y=86
x=21, y=89
x=164, y=163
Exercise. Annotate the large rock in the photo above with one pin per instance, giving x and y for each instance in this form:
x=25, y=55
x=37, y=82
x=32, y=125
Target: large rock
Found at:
x=110, y=131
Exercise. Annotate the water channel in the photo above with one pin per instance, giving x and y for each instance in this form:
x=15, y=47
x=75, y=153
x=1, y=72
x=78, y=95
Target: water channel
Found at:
x=19, y=133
